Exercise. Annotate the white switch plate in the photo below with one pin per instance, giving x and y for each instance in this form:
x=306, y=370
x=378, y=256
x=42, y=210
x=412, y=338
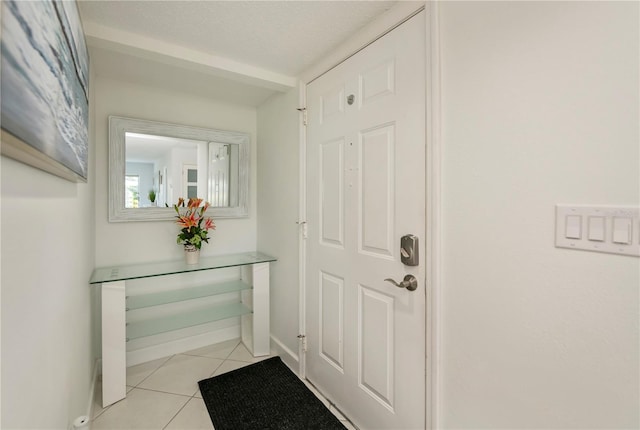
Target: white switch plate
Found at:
x=598, y=236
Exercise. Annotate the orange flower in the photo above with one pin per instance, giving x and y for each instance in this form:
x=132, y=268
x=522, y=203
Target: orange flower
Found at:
x=194, y=203
x=209, y=224
x=187, y=221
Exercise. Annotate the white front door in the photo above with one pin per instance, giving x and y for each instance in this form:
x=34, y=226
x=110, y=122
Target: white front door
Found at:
x=365, y=190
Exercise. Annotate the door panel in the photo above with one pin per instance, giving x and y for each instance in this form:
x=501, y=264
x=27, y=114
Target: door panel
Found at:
x=377, y=82
x=331, y=192
x=331, y=325
x=376, y=348
x=365, y=190
x=332, y=104
x=377, y=193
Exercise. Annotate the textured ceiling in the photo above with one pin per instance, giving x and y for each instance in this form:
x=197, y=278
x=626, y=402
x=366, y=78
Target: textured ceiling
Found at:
x=282, y=36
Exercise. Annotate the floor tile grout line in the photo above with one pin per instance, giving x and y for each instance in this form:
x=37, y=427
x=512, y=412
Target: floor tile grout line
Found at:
x=163, y=364
x=218, y=358
x=199, y=398
x=174, y=417
x=177, y=394
x=164, y=392
x=215, y=370
x=154, y=370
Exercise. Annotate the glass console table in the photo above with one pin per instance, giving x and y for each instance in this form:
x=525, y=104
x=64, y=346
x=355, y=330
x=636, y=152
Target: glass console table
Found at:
x=253, y=308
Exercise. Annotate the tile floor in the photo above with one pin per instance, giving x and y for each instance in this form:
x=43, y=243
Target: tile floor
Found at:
x=164, y=394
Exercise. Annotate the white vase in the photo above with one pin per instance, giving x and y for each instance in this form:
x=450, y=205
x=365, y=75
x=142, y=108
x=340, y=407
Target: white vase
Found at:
x=191, y=254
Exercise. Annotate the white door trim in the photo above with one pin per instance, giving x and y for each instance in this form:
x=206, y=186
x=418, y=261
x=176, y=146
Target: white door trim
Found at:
x=433, y=188
x=302, y=228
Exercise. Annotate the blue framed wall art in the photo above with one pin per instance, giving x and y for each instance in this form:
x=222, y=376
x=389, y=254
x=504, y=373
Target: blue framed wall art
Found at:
x=44, y=78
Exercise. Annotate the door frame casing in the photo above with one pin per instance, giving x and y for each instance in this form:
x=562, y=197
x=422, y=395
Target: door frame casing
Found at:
x=370, y=34
x=433, y=187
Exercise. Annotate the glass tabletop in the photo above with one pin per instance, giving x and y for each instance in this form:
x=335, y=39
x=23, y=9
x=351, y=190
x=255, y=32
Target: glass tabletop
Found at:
x=147, y=270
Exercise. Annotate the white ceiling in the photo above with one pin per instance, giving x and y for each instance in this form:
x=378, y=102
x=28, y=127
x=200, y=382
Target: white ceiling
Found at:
x=283, y=37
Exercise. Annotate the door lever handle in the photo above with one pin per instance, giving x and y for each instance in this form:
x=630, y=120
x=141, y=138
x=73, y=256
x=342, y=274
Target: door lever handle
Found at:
x=409, y=282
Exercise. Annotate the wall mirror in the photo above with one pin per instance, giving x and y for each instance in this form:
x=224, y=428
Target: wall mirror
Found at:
x=152, y=164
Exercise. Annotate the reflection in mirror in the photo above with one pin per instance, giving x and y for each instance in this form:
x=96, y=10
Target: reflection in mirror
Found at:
x=159, y=169
x=153, y=164
x=223, y=174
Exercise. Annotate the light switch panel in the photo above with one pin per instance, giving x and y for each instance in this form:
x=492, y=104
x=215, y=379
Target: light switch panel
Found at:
x=608, y=229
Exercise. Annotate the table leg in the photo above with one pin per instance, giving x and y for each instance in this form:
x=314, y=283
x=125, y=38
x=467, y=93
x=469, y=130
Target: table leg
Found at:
x=114, y=354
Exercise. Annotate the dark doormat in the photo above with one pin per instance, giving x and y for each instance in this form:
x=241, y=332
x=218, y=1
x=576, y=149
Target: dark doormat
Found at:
x=264, y=395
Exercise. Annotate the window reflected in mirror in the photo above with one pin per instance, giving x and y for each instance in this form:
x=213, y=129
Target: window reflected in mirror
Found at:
x=132, y=191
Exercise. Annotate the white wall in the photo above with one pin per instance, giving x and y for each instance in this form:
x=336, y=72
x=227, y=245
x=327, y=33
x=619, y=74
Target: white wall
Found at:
x=540, y=106
x=48, y=352
x=278, y=202
x=132, y=242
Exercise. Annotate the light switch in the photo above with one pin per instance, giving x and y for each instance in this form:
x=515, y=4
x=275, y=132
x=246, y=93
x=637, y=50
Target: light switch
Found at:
x=608, y=229
x=573, y=227
x=622, y=230
x=596, y=228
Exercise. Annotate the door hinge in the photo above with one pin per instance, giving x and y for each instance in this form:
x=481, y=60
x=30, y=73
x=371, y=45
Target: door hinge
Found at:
x=303, y=339
x=305, y=231
x=303, y=110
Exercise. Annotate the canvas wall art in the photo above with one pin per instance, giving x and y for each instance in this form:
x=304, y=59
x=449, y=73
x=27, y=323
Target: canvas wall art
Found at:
x=44, y=77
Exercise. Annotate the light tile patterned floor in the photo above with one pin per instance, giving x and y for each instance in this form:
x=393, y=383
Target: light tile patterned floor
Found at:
x=164, y=394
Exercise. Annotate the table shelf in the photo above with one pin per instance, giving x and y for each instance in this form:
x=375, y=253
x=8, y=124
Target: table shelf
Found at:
x=178, y=321
x=172, y=296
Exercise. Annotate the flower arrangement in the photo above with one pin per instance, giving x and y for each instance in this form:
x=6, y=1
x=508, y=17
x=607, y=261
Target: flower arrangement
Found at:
x=192, y=231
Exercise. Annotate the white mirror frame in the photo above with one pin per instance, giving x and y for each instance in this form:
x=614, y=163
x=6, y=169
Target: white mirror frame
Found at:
x=118, y=126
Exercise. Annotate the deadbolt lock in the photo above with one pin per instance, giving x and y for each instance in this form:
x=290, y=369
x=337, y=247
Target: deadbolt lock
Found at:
x=409, y=250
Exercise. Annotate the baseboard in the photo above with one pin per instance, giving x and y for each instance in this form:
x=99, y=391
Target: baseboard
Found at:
x=177, y=346
x=97, y=370
x=288, y=357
